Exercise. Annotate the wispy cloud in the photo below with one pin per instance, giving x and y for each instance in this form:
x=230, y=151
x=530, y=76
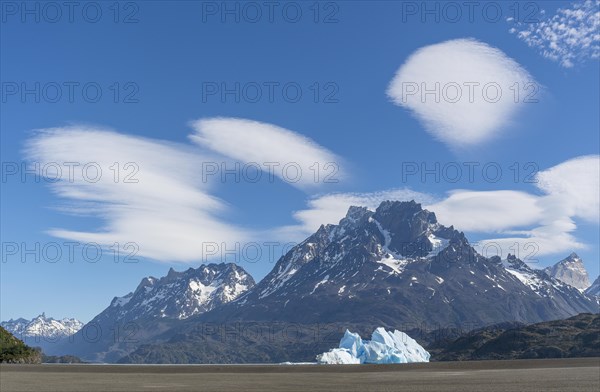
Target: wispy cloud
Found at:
x=570, y=36
x=463, y=91
x=294, y=158
x=520, y=223
x=158, y=202
x=531, y=223
x=154, y=193
x=488, y=211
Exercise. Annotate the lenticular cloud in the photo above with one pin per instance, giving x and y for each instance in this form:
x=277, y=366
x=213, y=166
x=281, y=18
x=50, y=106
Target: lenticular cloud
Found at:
x=464, y=92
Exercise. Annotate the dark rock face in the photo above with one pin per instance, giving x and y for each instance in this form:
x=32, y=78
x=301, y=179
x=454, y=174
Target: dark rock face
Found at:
x=409, y=224
x=396, y=267
x=578, y=336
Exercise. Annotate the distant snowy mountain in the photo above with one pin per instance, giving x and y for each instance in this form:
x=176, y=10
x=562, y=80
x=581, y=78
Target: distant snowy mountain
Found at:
x=42, y=331
x=594, y=289
x=570, y=271
x=155, y=305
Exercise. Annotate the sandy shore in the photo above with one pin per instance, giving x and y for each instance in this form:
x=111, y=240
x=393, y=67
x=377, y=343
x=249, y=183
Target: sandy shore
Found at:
x=521, y=375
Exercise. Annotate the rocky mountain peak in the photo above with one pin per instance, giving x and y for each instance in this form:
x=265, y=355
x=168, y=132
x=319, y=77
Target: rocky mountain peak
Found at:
x=356, y=216
x=514, y=262
x=159, y=302
x=407, y=213
x=398, y=264
x=181, y=294
x=571, y=271
x=411, y=229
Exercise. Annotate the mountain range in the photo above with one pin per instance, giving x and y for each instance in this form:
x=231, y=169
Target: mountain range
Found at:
x=42, y=331
x=395, y=267
x=154, y=307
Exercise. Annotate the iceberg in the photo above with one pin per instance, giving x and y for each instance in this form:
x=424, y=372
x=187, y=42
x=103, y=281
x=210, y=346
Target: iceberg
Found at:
x=384, y=347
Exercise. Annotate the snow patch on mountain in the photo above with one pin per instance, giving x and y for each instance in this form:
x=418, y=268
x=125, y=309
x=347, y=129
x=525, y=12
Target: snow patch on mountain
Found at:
x=439, y=244
x=322, y=282
x=528, y=278
x=396, y=265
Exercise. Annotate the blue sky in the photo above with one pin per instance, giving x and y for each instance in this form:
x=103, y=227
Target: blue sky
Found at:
x=165, y=67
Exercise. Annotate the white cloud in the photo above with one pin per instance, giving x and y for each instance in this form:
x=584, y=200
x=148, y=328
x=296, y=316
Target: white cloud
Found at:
x=297, y=157
x=489, y=211
x=515, y=222
x=571, y=35
x=571, y=190
x=330, y=208
x=479, y=90
x=169, y=212
x=574, y=186
x=544, y=240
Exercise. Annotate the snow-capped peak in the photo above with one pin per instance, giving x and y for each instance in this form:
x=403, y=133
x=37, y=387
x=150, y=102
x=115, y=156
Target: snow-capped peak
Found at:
x=42, y=327
x=181, y=294
x=364, y=245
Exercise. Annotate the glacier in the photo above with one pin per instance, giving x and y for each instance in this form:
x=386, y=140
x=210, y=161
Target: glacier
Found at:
x=384, y=347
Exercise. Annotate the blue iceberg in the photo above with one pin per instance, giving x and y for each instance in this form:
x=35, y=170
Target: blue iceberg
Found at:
x=384, y=347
